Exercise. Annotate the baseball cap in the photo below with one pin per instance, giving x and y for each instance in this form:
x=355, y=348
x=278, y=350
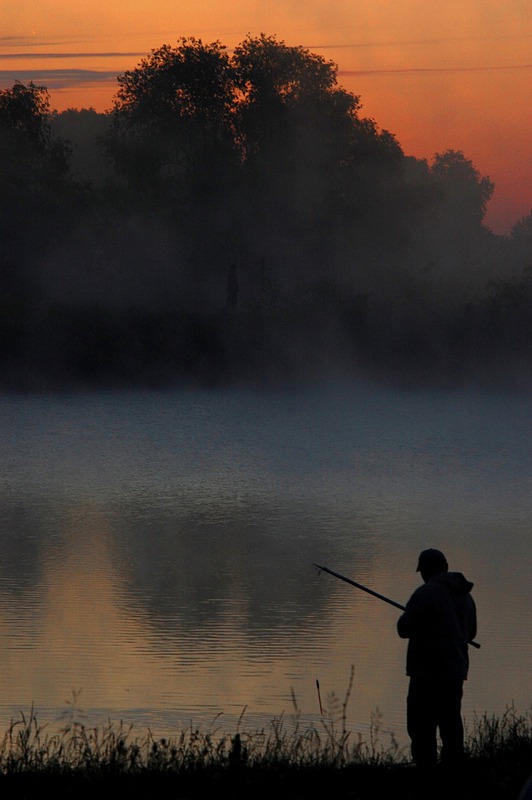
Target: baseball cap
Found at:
x=432, y=559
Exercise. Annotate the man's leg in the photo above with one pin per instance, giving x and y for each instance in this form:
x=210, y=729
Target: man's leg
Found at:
x=450, y=723
x=422, y=723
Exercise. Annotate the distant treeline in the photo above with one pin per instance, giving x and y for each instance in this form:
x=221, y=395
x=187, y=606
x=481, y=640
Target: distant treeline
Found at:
x=235, y=218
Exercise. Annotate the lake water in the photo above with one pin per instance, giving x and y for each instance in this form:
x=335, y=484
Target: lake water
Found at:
x=157, y=550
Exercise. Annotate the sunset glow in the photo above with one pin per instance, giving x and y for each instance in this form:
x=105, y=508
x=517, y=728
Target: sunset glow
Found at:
x=438, y=77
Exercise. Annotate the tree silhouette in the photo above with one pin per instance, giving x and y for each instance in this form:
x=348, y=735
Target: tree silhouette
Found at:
x=347, y=251
x=284, y=90
x=30, y=156
x=34, y=172
x=522, y=230
x=466, y=193
x=173, y=117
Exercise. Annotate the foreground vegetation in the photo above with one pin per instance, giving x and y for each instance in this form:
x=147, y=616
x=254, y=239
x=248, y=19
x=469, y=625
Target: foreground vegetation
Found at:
x=283, y=760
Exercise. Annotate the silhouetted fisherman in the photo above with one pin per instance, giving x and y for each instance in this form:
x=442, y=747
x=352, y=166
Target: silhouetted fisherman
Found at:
x=439, y=620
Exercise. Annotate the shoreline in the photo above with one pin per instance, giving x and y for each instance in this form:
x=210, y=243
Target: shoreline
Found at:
x=113, y=761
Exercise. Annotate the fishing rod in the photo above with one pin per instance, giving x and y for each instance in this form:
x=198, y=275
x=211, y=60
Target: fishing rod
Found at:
x=371, y=592
x=359, y=586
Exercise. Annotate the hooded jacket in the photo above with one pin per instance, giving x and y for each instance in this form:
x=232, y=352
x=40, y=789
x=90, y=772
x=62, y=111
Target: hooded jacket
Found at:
x=439, y=620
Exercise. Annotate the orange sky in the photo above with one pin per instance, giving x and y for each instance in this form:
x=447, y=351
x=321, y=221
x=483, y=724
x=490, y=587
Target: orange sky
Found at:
x=455, y=75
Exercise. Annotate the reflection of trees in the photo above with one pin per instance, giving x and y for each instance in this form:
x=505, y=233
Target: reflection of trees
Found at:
x=195, y=572
x=22, y=545
x=202, y=564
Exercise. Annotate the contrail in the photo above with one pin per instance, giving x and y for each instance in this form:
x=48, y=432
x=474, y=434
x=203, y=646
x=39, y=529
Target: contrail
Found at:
x=410, y=70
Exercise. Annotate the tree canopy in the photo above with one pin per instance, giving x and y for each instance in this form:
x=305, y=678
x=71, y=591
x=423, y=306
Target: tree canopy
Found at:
x=29, y=153
x=117, y=245
x=267, y=97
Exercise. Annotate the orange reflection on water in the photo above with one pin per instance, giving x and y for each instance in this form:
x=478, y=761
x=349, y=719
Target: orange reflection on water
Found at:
x=83, y=635
x=89, y=642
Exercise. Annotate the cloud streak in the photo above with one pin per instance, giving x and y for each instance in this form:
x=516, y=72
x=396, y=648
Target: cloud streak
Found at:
x=69, y=55
x=35, y=41
x=27, y=56
x=65, y=78
x=57, y=78
x=429, y=70
x=416, y=42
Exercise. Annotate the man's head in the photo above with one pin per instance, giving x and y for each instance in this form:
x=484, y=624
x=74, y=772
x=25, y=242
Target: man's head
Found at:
x=430, y=563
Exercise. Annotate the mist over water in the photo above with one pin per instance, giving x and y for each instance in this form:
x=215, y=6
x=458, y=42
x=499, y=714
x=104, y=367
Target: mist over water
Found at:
x=157, y=548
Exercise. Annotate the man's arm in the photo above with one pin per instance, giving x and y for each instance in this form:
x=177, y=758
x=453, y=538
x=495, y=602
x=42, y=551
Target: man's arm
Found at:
x=411, y=623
